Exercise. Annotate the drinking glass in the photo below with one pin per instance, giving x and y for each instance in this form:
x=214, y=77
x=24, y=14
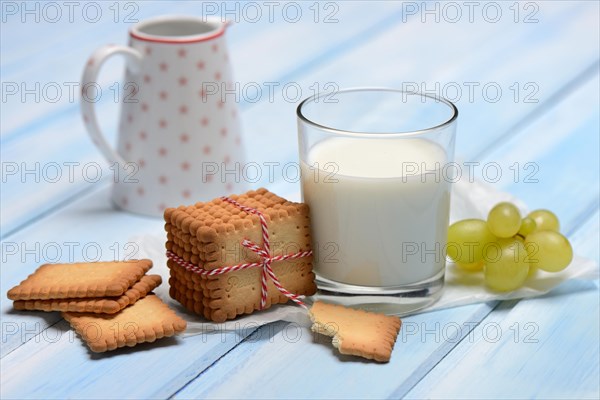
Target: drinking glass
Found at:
x=377, y=166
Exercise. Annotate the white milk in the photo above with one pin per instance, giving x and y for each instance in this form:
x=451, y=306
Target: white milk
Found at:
x=383, y=223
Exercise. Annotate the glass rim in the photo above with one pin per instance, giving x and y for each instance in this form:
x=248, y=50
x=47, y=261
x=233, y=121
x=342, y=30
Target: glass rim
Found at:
x=344, y=132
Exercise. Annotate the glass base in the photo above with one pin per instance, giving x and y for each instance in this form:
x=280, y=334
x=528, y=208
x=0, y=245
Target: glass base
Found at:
x=392, y=300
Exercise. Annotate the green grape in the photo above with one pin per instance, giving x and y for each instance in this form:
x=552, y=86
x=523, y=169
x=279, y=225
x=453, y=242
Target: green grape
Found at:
x=467, y=239
x=504, y=220
x=508, y=269
x=472, y=267
x=528, y=225
x=545, y=220
x=532, y=269
x=549, y=251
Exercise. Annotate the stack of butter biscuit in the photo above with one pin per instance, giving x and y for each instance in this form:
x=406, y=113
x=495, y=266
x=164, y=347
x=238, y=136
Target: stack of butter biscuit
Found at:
x=210, y=235
x=108, y=296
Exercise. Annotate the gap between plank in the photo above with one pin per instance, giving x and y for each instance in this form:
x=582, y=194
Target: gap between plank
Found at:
x=341, y=48
x=311, y=64
x=580, y=79
x=407, y=386
x=97, y=186
x=212, y=364
x=34, y=336
x=582, y=217
x=587, y=74
x=587, y=212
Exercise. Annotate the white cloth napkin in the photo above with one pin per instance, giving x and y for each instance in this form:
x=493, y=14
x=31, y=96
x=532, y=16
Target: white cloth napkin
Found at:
x=469, y=200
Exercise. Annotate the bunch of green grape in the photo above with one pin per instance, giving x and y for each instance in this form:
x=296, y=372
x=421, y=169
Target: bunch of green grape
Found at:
x=507, y=247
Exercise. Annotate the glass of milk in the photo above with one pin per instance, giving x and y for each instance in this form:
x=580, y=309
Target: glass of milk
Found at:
x=376, y=174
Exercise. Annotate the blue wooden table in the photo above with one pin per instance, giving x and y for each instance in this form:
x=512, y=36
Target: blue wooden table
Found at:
x=525, y=76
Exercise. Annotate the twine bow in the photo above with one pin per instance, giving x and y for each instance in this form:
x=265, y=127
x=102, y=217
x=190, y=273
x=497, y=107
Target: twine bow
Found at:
x=264, y=252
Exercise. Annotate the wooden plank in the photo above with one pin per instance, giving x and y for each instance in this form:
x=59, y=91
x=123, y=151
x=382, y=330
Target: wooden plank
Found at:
x=273, y=122
x=545, y=347
x=586, y=236
x=565, y=349
x=67, y=144
x=569, y=136
x=562, y=147
x=55, y=151
x=59, y=58
x=431, y=358
x=294, y=363
x=463, y=58
x=73, y=228
x=59, y=366
x=45, y=62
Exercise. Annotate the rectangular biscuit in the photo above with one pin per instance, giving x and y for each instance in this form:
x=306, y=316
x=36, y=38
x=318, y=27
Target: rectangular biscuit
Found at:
x=184, y=298
x=107, y=305
x=356, y=332
x=77, y=280
x=209, y=235
x=145, y=321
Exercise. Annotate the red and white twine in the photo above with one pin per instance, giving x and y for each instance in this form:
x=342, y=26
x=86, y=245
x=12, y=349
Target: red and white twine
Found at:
x=264, y=252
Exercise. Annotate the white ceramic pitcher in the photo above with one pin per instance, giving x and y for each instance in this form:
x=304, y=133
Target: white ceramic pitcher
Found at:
x=179, y=132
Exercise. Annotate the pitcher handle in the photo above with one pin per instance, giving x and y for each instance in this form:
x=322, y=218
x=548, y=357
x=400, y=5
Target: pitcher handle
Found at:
x=89, y=79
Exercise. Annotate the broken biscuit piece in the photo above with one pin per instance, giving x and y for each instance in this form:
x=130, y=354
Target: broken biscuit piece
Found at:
x=356, y=332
